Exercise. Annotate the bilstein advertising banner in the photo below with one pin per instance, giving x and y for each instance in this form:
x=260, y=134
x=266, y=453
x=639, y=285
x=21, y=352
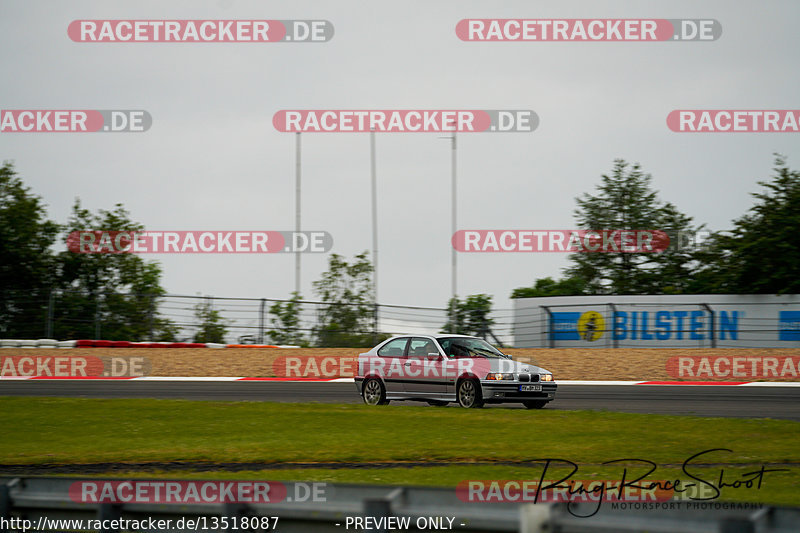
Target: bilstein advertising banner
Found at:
x=736, y=321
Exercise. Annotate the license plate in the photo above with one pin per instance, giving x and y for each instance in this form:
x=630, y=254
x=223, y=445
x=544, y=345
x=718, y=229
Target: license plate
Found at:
x=530, y=388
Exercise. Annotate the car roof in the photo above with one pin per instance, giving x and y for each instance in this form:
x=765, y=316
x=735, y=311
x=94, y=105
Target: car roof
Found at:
x=436, y=335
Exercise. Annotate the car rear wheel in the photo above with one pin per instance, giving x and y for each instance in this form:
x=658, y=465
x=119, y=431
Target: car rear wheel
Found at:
x=534, y=404
x=437, y=403
x=469, y=394
x=374, y=393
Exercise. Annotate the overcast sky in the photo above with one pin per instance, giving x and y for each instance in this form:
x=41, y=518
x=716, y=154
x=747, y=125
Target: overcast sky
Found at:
x=213, y=160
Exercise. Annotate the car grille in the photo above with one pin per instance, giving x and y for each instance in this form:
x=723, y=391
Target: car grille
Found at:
x=524, y=378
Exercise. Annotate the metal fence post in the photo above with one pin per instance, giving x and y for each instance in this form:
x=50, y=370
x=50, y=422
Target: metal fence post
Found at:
x=711, y=325
x=534, y=518
x=97, y=317
x=51, y=304
x=5, y=502
x=550, y=334
x=375, y=323
x=261, y=309
x=108, y=512
x=151, y=311
x=614, y=339
x=378, y=509
x=382, y=508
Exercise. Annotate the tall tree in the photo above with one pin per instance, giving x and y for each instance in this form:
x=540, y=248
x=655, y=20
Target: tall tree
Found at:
x=347, y=318
x=625, y=200
x=469, y=317
x=26, y=261
x=762, y=253
x=117, y=291
x=550, y=287
x=212, y=326
x=456, y=318
x=674, y=267
x=286, y=322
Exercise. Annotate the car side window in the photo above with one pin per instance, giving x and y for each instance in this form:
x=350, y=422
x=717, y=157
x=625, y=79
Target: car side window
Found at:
x=394, y=348
x=452, y=348
x=446, y=344
x=421, y=347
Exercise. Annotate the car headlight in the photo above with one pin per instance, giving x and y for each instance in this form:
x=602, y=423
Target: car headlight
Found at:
x=499, y=376
x=547, y=377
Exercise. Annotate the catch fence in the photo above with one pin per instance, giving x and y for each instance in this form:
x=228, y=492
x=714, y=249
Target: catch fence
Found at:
x=64, y=315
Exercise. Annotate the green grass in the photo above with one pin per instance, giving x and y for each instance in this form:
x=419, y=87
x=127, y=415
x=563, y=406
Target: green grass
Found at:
x=69, y=430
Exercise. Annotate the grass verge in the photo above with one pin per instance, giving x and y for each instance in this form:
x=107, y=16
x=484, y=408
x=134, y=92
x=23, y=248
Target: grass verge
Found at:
x=75, y=431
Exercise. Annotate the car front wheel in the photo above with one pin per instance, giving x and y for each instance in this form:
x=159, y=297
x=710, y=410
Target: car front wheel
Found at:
x=374, y=393
x=469, y=394
x=534, y=404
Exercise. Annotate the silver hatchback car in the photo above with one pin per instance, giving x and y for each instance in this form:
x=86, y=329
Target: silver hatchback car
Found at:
x=445, y=368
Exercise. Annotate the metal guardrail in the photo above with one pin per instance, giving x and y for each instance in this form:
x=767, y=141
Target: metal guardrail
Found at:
x=34, y=497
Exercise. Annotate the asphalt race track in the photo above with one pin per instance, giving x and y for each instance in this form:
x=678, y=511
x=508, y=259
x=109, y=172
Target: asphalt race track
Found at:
x=722, y=401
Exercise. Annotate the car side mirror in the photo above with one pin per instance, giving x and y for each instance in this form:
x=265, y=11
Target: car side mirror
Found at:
x=435, y=356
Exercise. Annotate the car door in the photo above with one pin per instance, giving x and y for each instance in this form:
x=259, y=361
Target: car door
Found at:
x=423, y=368
x=390, y=362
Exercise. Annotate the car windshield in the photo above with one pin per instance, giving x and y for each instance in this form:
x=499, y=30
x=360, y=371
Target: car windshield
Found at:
x=469, y=347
